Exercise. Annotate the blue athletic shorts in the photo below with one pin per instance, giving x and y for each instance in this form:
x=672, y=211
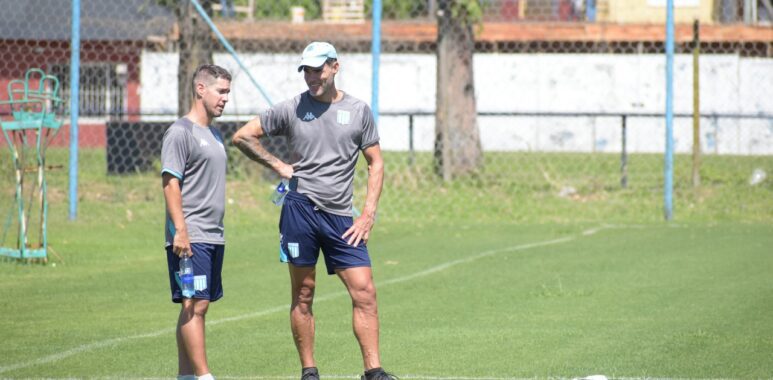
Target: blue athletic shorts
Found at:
x=304, y=229
x=207, y=266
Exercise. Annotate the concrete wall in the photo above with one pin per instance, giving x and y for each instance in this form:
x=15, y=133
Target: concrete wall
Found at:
x=525, y=83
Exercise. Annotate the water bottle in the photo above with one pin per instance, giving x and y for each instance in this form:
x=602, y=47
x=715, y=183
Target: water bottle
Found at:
x=186, y=276
x=278, y=197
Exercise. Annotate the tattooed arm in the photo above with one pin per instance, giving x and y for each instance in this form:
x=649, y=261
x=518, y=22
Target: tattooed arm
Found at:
x=247, y=139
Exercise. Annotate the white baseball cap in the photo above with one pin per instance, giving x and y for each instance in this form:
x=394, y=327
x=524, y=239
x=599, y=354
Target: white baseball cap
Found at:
x=316, y=54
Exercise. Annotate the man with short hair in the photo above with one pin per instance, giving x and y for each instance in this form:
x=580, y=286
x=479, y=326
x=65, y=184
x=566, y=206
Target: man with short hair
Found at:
x=326, y=129
x=193, y=161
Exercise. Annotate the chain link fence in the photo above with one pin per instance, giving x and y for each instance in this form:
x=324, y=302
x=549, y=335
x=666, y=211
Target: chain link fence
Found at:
x=489, y=110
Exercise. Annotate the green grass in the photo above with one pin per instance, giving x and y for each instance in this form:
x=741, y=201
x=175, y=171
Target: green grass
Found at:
x=662, y=300
x=522, y=187
x=466, y=288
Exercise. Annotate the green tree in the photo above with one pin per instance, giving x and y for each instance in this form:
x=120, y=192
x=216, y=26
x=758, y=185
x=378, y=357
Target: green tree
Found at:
x=399, y=9
x=280, y=9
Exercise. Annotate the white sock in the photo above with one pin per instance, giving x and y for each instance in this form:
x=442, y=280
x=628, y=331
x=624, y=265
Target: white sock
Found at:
x=206, y=377
x=186, y=377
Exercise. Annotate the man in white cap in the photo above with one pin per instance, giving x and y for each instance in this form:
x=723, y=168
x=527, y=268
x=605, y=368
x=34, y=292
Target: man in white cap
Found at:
x=326, y=129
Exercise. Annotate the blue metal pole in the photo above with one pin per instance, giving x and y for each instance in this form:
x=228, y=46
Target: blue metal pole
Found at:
x=590, y=11
x=75, y=57
x=230, y=49
x=375, y=51
x=668, y=175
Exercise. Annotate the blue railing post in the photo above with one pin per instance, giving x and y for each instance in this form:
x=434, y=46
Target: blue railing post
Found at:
x=375, y=51
x=590, y=10
x=668, y=171
x=75, y=57
x=230, y=49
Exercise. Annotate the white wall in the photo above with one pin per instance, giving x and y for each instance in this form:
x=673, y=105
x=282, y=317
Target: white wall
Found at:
x=525, y=83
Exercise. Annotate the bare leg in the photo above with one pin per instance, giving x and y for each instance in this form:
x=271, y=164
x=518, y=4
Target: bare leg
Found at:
x=191, y=350
x=183, y=362
x=359, y=283
x=303, y=280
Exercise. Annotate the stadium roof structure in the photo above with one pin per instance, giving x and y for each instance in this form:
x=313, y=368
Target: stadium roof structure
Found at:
x=101, y=20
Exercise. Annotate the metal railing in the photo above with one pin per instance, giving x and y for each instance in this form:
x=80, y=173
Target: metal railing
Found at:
x=623, y=116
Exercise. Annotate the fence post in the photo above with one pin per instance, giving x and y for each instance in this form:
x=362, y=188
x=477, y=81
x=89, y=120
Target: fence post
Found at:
x=624, y=154
x=411, y=158
x=590, y=11
x=668, y=170
x=696, y=107
x=75, y=56
x=375, y=51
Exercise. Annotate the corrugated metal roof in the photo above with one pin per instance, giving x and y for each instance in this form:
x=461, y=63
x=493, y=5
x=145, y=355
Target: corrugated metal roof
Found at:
x=101, y=20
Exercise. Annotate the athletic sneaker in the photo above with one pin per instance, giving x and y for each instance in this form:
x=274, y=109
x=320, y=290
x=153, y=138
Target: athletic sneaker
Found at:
x=379, y=374
x=310, y=374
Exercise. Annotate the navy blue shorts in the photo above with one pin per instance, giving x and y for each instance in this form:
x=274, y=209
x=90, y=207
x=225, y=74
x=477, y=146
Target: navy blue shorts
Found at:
x=207, y=266
x=304, y=229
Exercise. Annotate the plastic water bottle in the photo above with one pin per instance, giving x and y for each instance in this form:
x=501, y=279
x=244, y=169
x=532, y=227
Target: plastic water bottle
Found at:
x=278, y=197
x=186, y=276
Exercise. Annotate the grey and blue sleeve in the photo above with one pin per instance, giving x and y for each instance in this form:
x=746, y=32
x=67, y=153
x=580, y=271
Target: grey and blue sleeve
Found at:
x=174, y=151
x=369, y=131
x=276, y=120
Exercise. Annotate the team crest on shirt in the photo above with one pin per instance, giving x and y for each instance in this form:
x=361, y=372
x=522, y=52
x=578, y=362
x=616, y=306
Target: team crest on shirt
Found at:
x=344, y=117
x=309, y=116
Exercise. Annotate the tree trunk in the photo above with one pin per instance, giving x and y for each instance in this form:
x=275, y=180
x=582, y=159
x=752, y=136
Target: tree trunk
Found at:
x=195, y=49
x=457, y=143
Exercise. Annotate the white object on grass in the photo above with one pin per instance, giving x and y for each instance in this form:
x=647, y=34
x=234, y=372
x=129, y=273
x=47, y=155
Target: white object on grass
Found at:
x=758, y=175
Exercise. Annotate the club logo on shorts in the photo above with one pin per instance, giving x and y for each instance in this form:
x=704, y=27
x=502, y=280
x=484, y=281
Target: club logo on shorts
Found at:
x=293, y=248
x=200, y=282
x=344, y=117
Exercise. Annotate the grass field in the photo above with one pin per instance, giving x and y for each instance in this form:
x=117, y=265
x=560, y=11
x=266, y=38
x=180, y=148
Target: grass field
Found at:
x=511, y=295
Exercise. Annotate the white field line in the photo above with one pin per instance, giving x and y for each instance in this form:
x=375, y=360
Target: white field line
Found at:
x=326, y=377
x=116, y=341
x=404, y=377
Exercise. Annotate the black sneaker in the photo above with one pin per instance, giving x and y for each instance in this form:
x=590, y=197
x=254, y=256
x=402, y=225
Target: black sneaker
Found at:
x=379, y=374
x=310, y=374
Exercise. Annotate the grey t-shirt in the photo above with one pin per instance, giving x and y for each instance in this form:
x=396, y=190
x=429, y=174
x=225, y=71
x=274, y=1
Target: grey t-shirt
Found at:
x=325, y=140
x=197, y=157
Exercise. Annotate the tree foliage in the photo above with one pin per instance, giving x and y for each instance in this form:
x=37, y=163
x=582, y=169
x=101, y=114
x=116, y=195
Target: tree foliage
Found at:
x=467, y=11
x=280, y=9
x=398, y=9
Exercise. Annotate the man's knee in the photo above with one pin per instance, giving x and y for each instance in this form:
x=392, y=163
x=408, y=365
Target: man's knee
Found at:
x=200, y=307
x=195, y=308
x=363, y=295
x=303, y=295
